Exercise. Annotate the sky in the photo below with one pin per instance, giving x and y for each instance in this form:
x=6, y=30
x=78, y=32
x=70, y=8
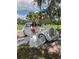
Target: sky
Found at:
x=26, y=6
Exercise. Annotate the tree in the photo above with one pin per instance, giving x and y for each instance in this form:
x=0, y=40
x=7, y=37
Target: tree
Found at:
x=53, y=9
x=33, y=17
x=39, y=2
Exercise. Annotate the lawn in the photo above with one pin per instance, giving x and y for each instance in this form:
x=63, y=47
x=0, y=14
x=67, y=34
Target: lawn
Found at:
x=20, y=26
x=52, y=26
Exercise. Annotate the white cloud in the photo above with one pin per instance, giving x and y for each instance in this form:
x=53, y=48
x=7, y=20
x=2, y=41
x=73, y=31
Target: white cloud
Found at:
x=25, y=1
x=21, y=16
x=24, y=4
x=27, y=5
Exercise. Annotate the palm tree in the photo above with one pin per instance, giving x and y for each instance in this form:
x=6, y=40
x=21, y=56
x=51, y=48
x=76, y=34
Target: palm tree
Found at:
x=39, y=2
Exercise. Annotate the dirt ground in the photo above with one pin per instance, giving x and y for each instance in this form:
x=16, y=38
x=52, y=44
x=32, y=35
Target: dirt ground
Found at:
x=47, y=51
x=19, y=33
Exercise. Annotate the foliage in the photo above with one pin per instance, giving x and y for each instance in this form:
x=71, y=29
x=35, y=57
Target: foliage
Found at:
x=57, y=27
x=25, y=52
x=57, y=22
x=22, y=22
x=53, y=10
x=46, y=23
x=39, y=2
x=33, y=16
x=43, y=52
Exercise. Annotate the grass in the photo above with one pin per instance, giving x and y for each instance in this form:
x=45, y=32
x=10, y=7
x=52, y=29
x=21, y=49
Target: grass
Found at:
x=20, y=26
x=52, y=26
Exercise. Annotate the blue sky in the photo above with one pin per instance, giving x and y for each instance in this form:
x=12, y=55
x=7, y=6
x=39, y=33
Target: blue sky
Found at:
x=26, y=6
x=22, y=12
